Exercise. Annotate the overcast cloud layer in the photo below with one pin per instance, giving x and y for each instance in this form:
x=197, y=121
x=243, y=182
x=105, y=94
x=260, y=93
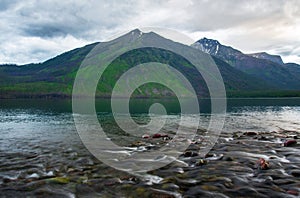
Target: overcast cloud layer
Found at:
x=33, y=31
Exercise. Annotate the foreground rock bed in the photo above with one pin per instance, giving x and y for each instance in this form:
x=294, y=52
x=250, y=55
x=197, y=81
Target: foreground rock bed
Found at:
x=233, y=168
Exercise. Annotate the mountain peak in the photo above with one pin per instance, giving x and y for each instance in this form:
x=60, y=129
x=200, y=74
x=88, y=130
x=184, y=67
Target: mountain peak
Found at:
x=214, y=47
x=136, y=31
x=208, y=41
x=206, y=45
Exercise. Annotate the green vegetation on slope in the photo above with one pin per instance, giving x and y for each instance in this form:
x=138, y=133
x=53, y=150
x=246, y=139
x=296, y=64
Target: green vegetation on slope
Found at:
x=55, y=77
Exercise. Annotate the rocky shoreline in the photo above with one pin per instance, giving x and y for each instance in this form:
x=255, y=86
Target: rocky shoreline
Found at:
x=241, y=164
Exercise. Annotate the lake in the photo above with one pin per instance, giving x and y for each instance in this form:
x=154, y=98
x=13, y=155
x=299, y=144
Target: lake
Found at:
x=42, y=154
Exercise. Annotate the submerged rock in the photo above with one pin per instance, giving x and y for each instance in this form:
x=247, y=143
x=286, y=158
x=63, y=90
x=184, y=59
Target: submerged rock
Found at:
x=51, y=192
x=201, y=162
x=59, y=180
x=33, y=185
x=263, y=164
x=228, y=158
x=295, y=173
x=250, y=133
x=158, y=135
x=146, y=136
x=190, y=154
x=138, y=143
x=289, y=143
x=293, y=192
x=8, y=179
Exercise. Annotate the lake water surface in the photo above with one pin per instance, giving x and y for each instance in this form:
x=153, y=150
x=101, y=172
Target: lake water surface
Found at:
x=38, y=138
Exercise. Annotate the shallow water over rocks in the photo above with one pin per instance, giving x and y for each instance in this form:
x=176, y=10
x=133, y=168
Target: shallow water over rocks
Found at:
x=42, y=156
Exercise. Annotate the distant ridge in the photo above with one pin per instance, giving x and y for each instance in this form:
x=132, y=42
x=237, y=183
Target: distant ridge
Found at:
x=263, y=55
x=268, y=68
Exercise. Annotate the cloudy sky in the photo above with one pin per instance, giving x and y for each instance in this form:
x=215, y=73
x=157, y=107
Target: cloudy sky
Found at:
x=35, y=30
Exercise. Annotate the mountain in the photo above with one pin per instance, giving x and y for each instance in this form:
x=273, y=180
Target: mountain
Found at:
x=213, y=47
x=55, y=77
x=267, y=68
x=293, y=68
x=52, y=78
x=263, y=55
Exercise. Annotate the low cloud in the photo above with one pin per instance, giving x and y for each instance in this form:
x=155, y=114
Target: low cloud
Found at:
x=33, y=31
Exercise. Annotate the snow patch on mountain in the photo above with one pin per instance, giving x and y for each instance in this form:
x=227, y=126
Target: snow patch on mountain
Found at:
x=209, y=46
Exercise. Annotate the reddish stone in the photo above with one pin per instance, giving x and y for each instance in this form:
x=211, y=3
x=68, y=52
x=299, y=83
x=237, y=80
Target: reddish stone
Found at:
x=293, y=192
x=288, y=143
x=158, y=135
x=263, y=164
